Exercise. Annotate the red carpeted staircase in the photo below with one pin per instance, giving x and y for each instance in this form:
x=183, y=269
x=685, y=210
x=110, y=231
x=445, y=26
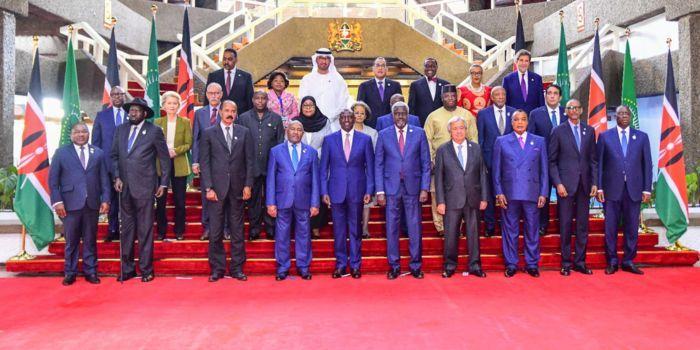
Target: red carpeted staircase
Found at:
x=190, y=255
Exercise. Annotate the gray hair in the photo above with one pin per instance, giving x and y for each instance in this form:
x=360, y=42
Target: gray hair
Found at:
x=294, y=121
x=229, y=102
x=454, y=120
x=399, y=104
x=520, y=111
x=215, y=85
x=523, y=52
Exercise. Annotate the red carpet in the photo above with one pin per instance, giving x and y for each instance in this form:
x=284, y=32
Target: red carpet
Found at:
x=599, y=311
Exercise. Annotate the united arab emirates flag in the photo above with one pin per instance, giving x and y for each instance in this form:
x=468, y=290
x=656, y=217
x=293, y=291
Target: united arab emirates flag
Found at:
x=563, y=69
x=671, y=193
x=152, y=76
x=32, y=202
x=71, y=96
x=629, y=94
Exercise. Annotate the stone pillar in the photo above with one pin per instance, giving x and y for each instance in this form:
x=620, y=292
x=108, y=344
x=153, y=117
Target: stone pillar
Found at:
x=687, y=74
x=7, y=85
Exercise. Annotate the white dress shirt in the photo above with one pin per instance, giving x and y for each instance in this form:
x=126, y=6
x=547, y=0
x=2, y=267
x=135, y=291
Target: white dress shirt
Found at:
x=432, y=86
x=233, y=77
x=170, y=137
x=138, y=130
x=556, y=112
x=344, y=135
x=497, y=113
x=114, y=114
x=290, y=146
x=464, y=151
x=405, y=130
x=527, y=83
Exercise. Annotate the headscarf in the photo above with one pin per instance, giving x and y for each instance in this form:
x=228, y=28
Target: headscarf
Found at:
x=327, y=53
x=314, y=123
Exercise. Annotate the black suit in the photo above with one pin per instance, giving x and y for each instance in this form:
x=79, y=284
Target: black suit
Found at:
x=137, y=170
x=241, y=90
x=577, y=171
x=420, y=102
x=368, y=92
x=461, y=190
x=226, y=172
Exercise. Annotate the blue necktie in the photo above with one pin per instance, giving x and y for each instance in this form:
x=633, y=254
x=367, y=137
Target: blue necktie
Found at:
x=132, y=137
x=554, y=119
x=295, y=157
x=624, y=143
x=578, y=137
x=459, y=156
x=119, y=117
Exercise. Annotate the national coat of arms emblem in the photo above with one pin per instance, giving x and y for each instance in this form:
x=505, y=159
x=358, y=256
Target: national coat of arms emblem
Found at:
x=344, y=36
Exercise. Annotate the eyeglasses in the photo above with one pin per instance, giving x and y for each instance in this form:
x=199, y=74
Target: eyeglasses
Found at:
x=572, y=108
x=476, y=73
x=308, y=106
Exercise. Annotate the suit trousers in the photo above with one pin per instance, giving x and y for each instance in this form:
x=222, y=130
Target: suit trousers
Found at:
x=179, y=187
x=302, y=239
x=544, y=211
x=347, y=223
x=321, y=220
x=79, y=224
x=137, y=223
x=217, y=252
x=412, y=208
x=257, y=212
x=627, y=210
x=113, y=213
x=511, y=229
x=574, y=205
x=453, y=220
x=437, y=218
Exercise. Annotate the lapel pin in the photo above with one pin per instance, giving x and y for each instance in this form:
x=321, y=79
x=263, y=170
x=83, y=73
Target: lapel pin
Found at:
x=583, y=132
x=634, y=137
x=303, y=150
x=235, y=137
x=469, y=144
x=92, y=150
x=143, y=132
x=532, y=143
x=269, y=124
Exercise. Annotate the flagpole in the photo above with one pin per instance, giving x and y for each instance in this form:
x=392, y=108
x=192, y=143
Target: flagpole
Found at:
x=601, y=214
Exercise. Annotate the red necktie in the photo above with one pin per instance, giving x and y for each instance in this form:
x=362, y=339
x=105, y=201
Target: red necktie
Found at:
x=212, y=120
x=228, y=82
x=401, y=141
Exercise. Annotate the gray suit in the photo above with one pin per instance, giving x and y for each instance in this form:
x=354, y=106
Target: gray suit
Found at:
x=461, y=190
x=137, y=170
x=226, y=172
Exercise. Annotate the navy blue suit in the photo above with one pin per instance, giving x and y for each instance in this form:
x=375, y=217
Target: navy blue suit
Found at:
x=387, y=120
x=81, y=190
x=202, y=121
x=514, y=95
x=420, y=102
x=368, y=92
x=347, y=182
x=102, y=136
x=401, y=178
x=487, y=125
x=622, y=180
x=294, y=193
x=522, y=175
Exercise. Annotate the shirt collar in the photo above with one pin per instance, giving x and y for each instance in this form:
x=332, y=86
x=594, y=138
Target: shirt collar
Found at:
x=351, y=132
x=397, y=128
x=233, y=71
x=496, y=109
x=139, y=125
x=223, y=126
x=290, y=144
x=383, y=81
x=463, y=144
x=572, y=124
x=555, y=109
x=77, y=148
x=524, y=135
x=619, y=130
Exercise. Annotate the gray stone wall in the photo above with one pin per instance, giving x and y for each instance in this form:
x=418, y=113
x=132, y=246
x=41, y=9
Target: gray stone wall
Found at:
x=7, y=85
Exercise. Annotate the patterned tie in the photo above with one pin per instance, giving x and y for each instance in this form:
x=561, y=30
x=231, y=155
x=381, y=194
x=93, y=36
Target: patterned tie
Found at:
x=460, y=156
x=522, y=142
x=295, y=157
x=578, y=137
x=228, y=83
x=228, y=138
x=212, y=119
x=401, y=141
x=554, y=119
x=346, y=147
x=501, y=122
x=119, y=117
x=381, y=90
x=82, y=157
x=523, y=87
x=624, y=143
x=131, y=138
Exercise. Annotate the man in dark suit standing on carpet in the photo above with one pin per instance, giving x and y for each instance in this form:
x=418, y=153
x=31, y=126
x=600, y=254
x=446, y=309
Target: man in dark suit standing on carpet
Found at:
x=523, y=88
x=541, y=122
x=424, y=93
x=137, y=145
x=80, y=190
x=106, y=122
x=377, y=91
x=462, y=189
x=236, y=83
x=573, y=169
x=521, y=182
x=226, y=158
x=625, y=173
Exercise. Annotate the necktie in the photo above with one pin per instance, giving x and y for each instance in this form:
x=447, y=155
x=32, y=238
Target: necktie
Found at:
x=119, y=117
x=279, y=99
x=295, y=157
x=381, y=90
x=82, y=157
x=228, y=137
x=132, y=137
x=460, y=156
x=624, y=143
x=228, y=82
x=212, y=119
x=523, y=87
x=501, y=122
x=522, y=142
x=346, y=147
x=554, y=119
x=401, y=141
x=578, y=137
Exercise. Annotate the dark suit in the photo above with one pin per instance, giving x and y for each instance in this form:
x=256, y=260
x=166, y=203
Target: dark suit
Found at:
x=294, y=192
x=102, y=135
x=81, y=190
x=202, y=121
x=622, y=180
x=137, y=171
x=487, y=125
x=577, y=170
x=420, y=102
x=241, y=89
x=514, y=95
x=522, y=176
x=266, y=133
x=461, y=190
x=226, y=172
x=387, y=120
x=368, y=92
x=401, y=177
x=347, y=182
x=540, y=124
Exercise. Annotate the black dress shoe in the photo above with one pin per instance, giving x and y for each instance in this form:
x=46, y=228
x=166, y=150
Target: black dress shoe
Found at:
x=355, y=273
x=534, y=272
x=227, y=235
x=253, y=235
x=510, y=272
x=337, y=273
x=610, y=269
x=306, y=276
x=270, y=235
x=68, y=280
x=161, y=237
x=632, y=269
x=393, y=274
x=565, y=271
x=180, y=237
x=448, y=273
x=148, y=278
x=583, y=269
x=441, y=233
x=478, y=273
x=215, y=277
x=205, y=235
x=365, y=235
x=542, y=231
x=239, y=276
x=490, y=233
x=281, y=276
x=108, y=239
x=125, y=277
x=417, y=274
x=92, y=279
